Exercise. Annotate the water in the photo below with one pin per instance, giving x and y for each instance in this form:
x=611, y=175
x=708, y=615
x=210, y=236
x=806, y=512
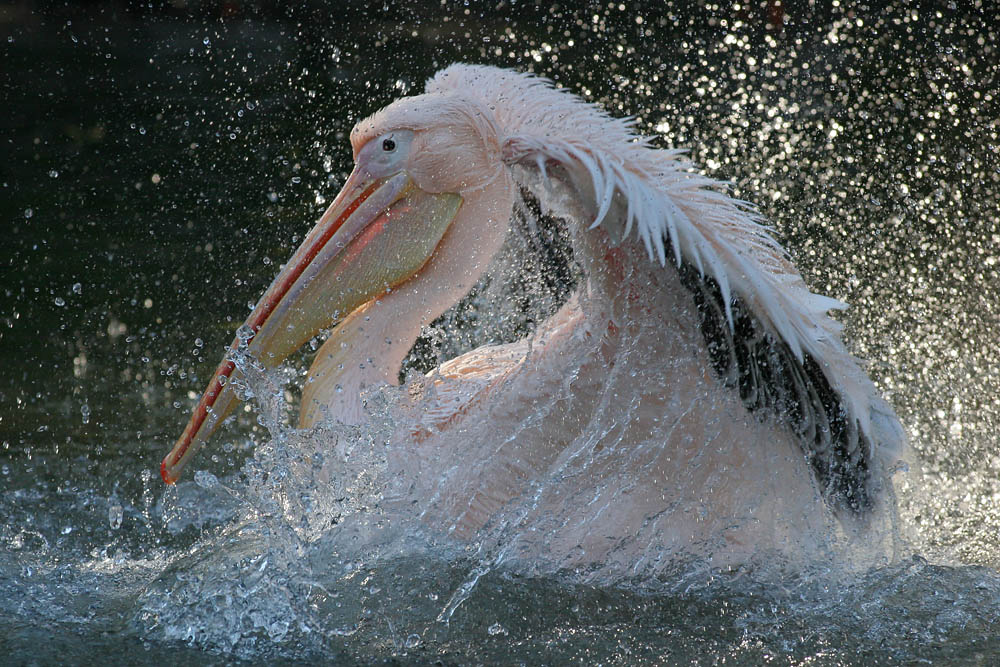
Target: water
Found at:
x=159, y=166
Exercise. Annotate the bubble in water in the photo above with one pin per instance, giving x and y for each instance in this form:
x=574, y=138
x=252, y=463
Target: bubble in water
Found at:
x=77, y=288
x=85, y=413
x=413, y=641
x=60, y=301
x=115, y=514
x=66, y=530
x=277, y=630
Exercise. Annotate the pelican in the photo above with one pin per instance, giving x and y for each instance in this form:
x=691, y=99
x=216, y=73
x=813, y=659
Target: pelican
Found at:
x=692, y=396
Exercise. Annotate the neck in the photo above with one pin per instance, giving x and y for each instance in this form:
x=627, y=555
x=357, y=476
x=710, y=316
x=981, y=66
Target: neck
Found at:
x=367, y=349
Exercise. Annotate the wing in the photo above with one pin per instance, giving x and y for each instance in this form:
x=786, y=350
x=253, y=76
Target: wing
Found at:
x=768, y=336
x=774, y=383
x=462, y=383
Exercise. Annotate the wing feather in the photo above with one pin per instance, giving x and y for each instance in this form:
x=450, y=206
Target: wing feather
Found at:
x=770, y=336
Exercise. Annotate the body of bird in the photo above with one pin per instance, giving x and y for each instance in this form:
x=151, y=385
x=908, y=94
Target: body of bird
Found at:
x=693, y=397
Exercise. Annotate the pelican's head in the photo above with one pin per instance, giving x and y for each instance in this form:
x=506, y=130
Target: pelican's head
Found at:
x=426, y=207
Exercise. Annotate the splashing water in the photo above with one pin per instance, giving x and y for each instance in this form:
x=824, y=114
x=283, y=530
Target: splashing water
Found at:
x=328, y=550
x=865, y=134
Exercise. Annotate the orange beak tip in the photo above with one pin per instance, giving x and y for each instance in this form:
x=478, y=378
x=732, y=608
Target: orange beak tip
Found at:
x=165, y=474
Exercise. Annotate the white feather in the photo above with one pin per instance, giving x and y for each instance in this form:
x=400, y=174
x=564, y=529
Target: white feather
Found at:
x=722, y=237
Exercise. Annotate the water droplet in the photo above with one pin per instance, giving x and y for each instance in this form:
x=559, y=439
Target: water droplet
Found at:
x=244, y=334
x=278, y=630
x=115, y=514
x=206, y=480
x=77, y=288
x=60, y=301
x=28, y=212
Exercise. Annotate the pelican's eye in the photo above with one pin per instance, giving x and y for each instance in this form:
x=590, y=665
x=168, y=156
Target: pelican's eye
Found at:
x=387, y=153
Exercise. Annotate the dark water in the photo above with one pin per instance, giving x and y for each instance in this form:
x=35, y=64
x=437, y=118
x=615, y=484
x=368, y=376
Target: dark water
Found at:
x=158, y=165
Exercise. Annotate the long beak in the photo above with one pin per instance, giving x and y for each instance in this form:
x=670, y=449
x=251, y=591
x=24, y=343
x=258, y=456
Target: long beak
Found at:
x=375, y=236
